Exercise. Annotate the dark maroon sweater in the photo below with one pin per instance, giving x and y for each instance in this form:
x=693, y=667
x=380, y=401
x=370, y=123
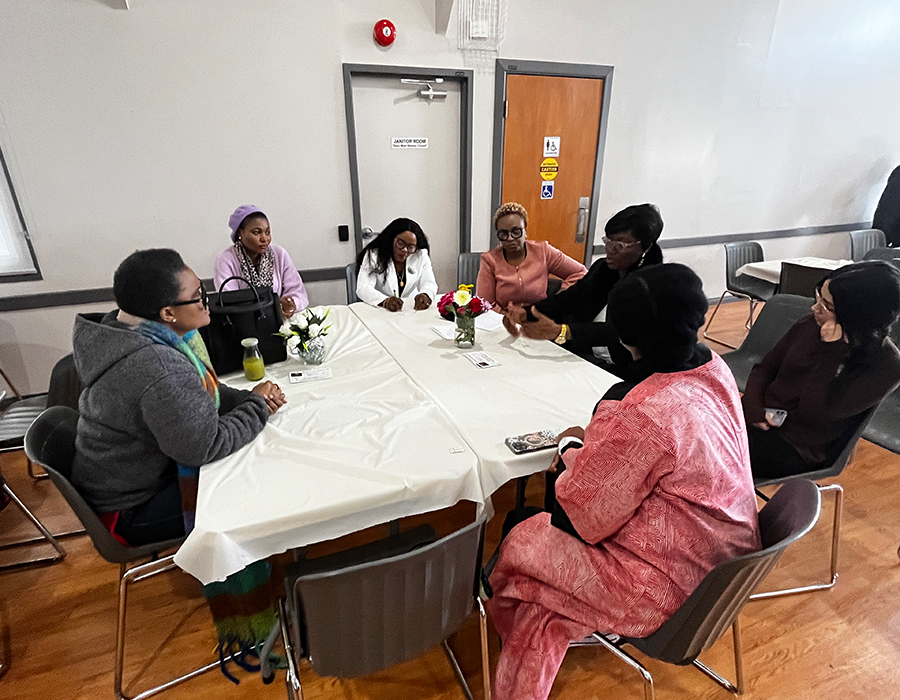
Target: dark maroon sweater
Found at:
x=797, y=375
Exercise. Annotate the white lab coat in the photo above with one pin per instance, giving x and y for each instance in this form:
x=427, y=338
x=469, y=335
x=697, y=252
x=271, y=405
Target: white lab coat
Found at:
x=375, y=288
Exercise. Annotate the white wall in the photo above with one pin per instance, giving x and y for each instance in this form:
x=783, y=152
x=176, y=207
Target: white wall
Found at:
x=146, y=127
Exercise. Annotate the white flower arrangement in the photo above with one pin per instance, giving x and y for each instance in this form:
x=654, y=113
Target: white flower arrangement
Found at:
x=303, y=327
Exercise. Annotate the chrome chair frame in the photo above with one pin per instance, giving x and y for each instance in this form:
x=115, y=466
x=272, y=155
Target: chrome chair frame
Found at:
x=616, y=648
x=832, y=470
x=128, y=577
x=835, y=547
x=46, y=536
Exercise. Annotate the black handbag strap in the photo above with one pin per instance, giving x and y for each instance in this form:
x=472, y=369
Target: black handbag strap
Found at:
x=242, y=279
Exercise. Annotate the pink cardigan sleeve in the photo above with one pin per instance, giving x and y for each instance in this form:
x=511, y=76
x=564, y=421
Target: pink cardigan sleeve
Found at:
x=487, y=281
x=564, y=267
x=291, y=283
x=226, y=266
x=613, y=473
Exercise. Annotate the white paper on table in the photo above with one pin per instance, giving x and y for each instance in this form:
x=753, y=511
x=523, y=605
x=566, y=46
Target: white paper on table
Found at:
x=445, y=329
x=489, y=321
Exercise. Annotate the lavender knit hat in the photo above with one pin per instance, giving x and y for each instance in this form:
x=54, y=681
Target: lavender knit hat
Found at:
x=241, y=213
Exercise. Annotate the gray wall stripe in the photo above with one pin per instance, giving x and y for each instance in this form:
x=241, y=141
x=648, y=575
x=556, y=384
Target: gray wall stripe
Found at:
x=80, y=297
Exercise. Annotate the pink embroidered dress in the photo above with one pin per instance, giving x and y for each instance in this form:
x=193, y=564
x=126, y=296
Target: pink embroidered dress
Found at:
x=663, y=492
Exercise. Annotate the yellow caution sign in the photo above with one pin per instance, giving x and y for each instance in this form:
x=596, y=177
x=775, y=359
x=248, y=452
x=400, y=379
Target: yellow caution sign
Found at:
x=549, y=168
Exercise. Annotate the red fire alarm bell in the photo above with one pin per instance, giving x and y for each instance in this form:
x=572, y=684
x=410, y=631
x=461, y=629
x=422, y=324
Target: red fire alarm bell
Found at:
x=385, y=32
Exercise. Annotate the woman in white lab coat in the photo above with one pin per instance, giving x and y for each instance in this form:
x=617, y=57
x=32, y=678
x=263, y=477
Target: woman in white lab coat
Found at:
x=395, y=268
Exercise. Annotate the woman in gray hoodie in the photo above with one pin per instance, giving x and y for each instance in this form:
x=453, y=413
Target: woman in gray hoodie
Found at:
x=153, y=409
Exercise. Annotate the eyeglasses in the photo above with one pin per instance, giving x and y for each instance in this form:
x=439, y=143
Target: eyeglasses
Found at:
x=617, y=246
x=504, y=235
x=824, y=304
x=204, y=300
x=400, y=245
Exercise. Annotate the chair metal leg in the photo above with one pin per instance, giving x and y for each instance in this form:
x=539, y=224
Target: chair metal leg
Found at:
x=33, y=475
x=292, y=676
x=485, y=652
x=457, y=671
x=46, y=536
x=131, y=576
x=716, y=310
x=630, y=660
x=738, y=665
x=835, y=544
x=10, y=384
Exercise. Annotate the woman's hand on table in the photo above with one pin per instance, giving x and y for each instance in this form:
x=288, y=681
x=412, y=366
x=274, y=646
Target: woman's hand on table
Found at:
x=392, y=304
x=513, y=317
x=423, y=301
x=545, y=328
x=288, y=306
x=272, y=393
x=575, y=431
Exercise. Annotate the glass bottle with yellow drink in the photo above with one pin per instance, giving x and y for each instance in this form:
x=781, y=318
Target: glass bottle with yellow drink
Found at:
x=254, y=367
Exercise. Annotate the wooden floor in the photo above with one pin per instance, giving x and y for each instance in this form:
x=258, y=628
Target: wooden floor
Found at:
x=59, y=621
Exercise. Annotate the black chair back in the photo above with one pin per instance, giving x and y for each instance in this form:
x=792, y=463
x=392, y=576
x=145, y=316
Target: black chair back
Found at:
x=713, y=607
x=50, y=443
x=775, y=319
x=736, y=256
x=800, y=280
x=891, y=255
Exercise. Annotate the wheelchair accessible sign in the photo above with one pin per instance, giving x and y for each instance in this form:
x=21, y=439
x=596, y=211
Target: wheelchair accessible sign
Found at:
x=547, y=189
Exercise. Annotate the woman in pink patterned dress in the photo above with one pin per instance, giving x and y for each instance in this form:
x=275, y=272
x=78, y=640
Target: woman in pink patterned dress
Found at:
x=650, y=497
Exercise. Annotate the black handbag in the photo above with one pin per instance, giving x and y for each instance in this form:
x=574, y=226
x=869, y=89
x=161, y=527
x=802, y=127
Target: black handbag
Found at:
x=254, y=312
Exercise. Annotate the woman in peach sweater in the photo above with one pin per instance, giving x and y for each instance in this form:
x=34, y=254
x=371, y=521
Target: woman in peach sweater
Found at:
x=516, y=271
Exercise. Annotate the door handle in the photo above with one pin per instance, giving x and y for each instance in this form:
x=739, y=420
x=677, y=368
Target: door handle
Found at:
x=584, y=205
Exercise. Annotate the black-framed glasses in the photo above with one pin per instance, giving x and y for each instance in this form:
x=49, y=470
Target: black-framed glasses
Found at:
x=204, y=300
x=617, y=246
x=505, y=235
x=824, y=304
x=410, y=248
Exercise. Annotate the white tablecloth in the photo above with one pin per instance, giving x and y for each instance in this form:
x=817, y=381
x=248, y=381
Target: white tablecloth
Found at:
x=770, y=270
x=406, y=425
x=346, y=453
x=538, y=386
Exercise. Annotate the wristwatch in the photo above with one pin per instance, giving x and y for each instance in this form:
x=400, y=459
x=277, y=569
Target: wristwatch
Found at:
x=561, y=338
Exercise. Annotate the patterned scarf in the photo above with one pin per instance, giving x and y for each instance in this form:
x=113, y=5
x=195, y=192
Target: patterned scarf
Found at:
x=260, y=275
x=241, y=605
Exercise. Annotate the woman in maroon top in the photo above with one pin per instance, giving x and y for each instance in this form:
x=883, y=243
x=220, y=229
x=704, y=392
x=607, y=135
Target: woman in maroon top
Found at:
x=825, y=373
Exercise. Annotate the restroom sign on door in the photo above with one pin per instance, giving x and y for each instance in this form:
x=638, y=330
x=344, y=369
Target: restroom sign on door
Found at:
x=551, y=146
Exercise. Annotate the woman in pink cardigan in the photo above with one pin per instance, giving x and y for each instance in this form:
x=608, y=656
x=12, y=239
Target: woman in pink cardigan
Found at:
x=652, y=495
x=253, y=257
x=516, y=271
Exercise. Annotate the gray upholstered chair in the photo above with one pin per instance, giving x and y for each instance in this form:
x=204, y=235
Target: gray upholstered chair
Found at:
x=50, y=442
x=717, y=602
x=467, y=268
x=861, y=242
x=754, y=290
x=350, y=278
x=368, y=608
x=775, y=319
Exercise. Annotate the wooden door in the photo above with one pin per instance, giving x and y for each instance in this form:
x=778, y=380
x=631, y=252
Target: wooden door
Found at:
x=568, y=109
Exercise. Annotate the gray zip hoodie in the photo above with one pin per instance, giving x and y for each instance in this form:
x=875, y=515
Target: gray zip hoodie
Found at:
x=143, y=410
